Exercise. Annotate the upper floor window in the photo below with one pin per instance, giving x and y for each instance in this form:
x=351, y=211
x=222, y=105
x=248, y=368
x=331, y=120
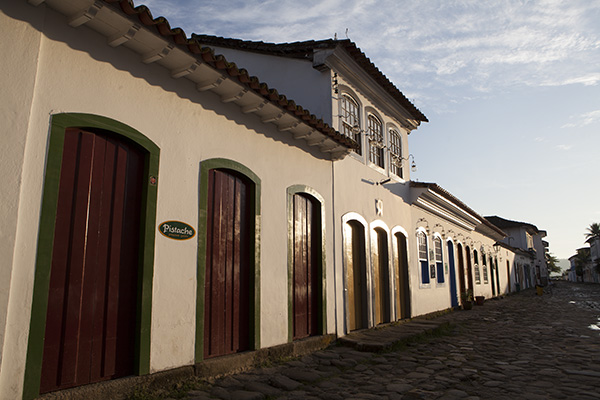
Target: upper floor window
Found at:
x=439, y=260
x=395, y=153
x=375, y=134
x=529, y=239
x=423, y=260
x=351, y=120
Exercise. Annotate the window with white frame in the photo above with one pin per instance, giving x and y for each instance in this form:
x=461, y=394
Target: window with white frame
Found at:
x=529, y=240
x=484, y=267
x=395, y=153
x=476, y=267
x=375, y=135
x=423, y=257
x=439, y=260
x=351, y=120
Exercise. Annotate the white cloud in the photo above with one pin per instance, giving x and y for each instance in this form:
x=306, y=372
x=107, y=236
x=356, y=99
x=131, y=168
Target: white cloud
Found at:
x=584, y=119
x=565, y=147
x=431, y=47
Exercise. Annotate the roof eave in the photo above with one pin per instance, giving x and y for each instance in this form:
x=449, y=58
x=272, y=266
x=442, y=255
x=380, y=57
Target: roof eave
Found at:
x=188, y=59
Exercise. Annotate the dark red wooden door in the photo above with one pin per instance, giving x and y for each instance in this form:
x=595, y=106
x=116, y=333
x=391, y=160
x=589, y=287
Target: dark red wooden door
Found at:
x=227, y=280
x=91, y=315
x=306, y=237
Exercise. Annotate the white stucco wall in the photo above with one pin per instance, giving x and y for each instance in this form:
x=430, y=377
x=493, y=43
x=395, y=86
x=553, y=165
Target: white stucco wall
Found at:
x=296, y=78
x=79, y=72
x=17, y=65
x=356, y=191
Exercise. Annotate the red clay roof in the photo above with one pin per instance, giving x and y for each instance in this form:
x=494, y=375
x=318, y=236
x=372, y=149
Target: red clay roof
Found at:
x=306, y=50
x=218, y=62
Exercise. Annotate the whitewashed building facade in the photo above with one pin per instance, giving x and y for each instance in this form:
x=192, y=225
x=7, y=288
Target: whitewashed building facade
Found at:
x=168, y=207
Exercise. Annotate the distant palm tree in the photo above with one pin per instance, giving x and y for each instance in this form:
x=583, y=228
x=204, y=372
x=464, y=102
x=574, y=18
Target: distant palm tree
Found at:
x=582, y=259
x=593, y=232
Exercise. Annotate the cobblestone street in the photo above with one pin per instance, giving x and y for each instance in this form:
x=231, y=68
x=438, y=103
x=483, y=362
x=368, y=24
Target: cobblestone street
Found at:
x=522, y=347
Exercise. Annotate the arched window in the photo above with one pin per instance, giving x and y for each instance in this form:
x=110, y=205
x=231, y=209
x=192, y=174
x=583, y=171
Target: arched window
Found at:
x=350, y=120
x=423, y=260
x=476, y=266
x=484, y=267
x=396, y=153
x=375, y=135
x=439, y=261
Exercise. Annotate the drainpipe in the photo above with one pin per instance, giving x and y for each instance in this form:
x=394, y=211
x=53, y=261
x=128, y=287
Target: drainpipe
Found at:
x=333, y=218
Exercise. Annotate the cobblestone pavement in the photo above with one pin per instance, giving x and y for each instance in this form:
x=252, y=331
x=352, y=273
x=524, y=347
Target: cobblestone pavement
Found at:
x=521, y=347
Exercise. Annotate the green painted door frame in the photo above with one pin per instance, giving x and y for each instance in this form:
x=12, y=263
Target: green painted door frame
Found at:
x=59, y=123
x=205, y=167
x=322, y=318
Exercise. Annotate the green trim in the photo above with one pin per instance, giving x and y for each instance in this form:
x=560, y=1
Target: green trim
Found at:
x=205, y=167
x=322, y=318
x=35, y=349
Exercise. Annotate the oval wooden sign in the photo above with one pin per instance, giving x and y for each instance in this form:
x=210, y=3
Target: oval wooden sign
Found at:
x=176, y=230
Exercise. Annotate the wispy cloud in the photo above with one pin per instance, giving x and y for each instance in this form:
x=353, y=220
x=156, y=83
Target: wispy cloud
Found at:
x=584, y=119
x=428, y=48
x=565, y=147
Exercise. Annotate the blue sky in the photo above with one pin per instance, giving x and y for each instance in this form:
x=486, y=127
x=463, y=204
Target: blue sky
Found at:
x=511, y=89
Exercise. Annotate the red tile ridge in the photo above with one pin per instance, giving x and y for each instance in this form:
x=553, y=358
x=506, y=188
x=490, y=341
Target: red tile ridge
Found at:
x=219, y=62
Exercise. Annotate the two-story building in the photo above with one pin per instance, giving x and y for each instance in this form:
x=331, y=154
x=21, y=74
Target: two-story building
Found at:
x=168, y=207
x=531, y=261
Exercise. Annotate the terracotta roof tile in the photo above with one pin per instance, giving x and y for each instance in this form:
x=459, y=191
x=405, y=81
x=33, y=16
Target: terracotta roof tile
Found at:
x=218, y=62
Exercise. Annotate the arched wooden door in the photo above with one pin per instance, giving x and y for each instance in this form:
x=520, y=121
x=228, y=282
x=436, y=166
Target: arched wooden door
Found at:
x=381, y=280
x=508, y=289
x=469, y=270
x=306, y=274
x=91, y=315
x=453, y=292
x=497, y=277
x=492, y=276
x=227, y=278
x=356, y=276
x=461, y=271
x=402, y=283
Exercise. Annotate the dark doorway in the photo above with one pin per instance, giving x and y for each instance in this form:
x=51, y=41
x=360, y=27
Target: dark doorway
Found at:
x=402, y=282
x=469, y=270
x=453, y=292
x=461, y=272
x=381, y=280
x=492, y=276
x=508, y=289
x=356, y=275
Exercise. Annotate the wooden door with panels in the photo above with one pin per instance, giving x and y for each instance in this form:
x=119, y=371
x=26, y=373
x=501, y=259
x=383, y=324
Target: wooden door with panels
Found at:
x=356, y=276
x=227, y=302
x=381, y=280
x=90, y=330
x=306, y=298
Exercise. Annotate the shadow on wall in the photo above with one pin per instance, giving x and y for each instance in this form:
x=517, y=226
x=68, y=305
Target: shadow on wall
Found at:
x=86, y=40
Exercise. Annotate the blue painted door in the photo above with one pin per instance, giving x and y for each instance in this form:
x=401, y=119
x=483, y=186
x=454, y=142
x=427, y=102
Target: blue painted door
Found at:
x=453, y=292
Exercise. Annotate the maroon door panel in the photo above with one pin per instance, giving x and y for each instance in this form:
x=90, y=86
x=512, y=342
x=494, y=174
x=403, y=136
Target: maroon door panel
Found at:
x=91, y=315
x=306, y=237
x=227, y=279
